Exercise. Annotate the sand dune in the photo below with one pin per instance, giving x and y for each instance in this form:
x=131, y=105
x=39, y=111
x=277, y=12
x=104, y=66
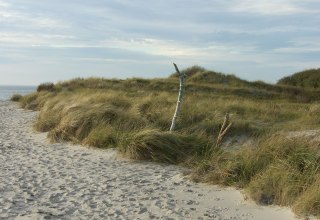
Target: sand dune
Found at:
x=40, y=180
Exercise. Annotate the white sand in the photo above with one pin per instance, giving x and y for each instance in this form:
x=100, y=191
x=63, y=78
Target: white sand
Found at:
x=39, y=180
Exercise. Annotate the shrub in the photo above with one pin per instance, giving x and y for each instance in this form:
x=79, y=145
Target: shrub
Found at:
x=189, y=71
x=16, y=97
x=46, y=87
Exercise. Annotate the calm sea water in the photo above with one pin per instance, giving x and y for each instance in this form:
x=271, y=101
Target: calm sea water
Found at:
x=7, y=91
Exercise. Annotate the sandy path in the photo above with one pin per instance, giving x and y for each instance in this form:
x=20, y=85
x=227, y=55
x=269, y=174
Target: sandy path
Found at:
x=39, y=180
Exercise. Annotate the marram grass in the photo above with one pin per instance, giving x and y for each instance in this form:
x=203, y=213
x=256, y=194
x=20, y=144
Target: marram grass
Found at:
x=134, y=116
x=150, y=144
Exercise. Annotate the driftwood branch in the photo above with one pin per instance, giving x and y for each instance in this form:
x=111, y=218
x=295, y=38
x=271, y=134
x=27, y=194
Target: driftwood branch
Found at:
x=182, y=78
x=224, y=129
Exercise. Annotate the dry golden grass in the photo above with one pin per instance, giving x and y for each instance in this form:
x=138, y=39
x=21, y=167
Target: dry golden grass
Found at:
x=134, y=116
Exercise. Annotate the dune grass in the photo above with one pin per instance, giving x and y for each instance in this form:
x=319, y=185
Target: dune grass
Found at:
x=307, y=79
x=134, y=116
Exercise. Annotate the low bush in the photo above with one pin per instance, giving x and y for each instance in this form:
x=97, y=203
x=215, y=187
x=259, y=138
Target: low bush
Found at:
x=46, y=87
x=16, y=97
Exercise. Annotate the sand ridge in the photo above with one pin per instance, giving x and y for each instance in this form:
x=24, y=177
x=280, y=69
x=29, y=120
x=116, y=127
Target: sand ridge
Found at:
x=41, y=180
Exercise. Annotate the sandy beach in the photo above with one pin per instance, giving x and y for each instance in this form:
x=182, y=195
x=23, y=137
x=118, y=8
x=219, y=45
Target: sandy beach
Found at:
x=41, y=180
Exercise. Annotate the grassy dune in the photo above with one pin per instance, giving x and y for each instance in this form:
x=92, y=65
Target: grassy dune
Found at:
x=134, y=116
x=306, y=79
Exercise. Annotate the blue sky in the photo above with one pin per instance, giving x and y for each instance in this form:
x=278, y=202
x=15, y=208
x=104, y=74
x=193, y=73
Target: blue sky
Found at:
x=52, y=40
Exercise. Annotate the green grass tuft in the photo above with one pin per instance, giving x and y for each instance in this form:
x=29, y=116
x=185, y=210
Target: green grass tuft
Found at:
x=102, y=137
x=279, y=184
x=162, y=146
x=309, y=201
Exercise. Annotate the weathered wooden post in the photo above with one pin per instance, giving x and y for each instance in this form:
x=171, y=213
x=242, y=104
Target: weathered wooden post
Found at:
x=182, y=77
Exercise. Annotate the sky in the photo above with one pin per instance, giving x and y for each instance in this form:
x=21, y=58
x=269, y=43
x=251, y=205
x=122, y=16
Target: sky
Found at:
x=53, y=40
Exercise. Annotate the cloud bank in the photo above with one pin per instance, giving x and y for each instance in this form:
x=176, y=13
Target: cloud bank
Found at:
x=56, y=40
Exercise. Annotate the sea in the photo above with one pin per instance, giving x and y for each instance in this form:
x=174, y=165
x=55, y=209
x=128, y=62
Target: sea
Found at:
x=7, y=91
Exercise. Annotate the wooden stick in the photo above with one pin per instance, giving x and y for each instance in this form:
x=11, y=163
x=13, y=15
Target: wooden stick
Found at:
x=223, y=131
x=182, y=78
x=225, y=122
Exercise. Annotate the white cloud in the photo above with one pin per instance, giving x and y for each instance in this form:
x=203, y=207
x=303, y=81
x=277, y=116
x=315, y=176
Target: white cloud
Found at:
x=301, y=46
x=10, y=15
x=3, y=4
x=152, y=46
x=16, y=39
x=205, y=52
x=115, y=60
x=238, y=34
x=269, y=7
